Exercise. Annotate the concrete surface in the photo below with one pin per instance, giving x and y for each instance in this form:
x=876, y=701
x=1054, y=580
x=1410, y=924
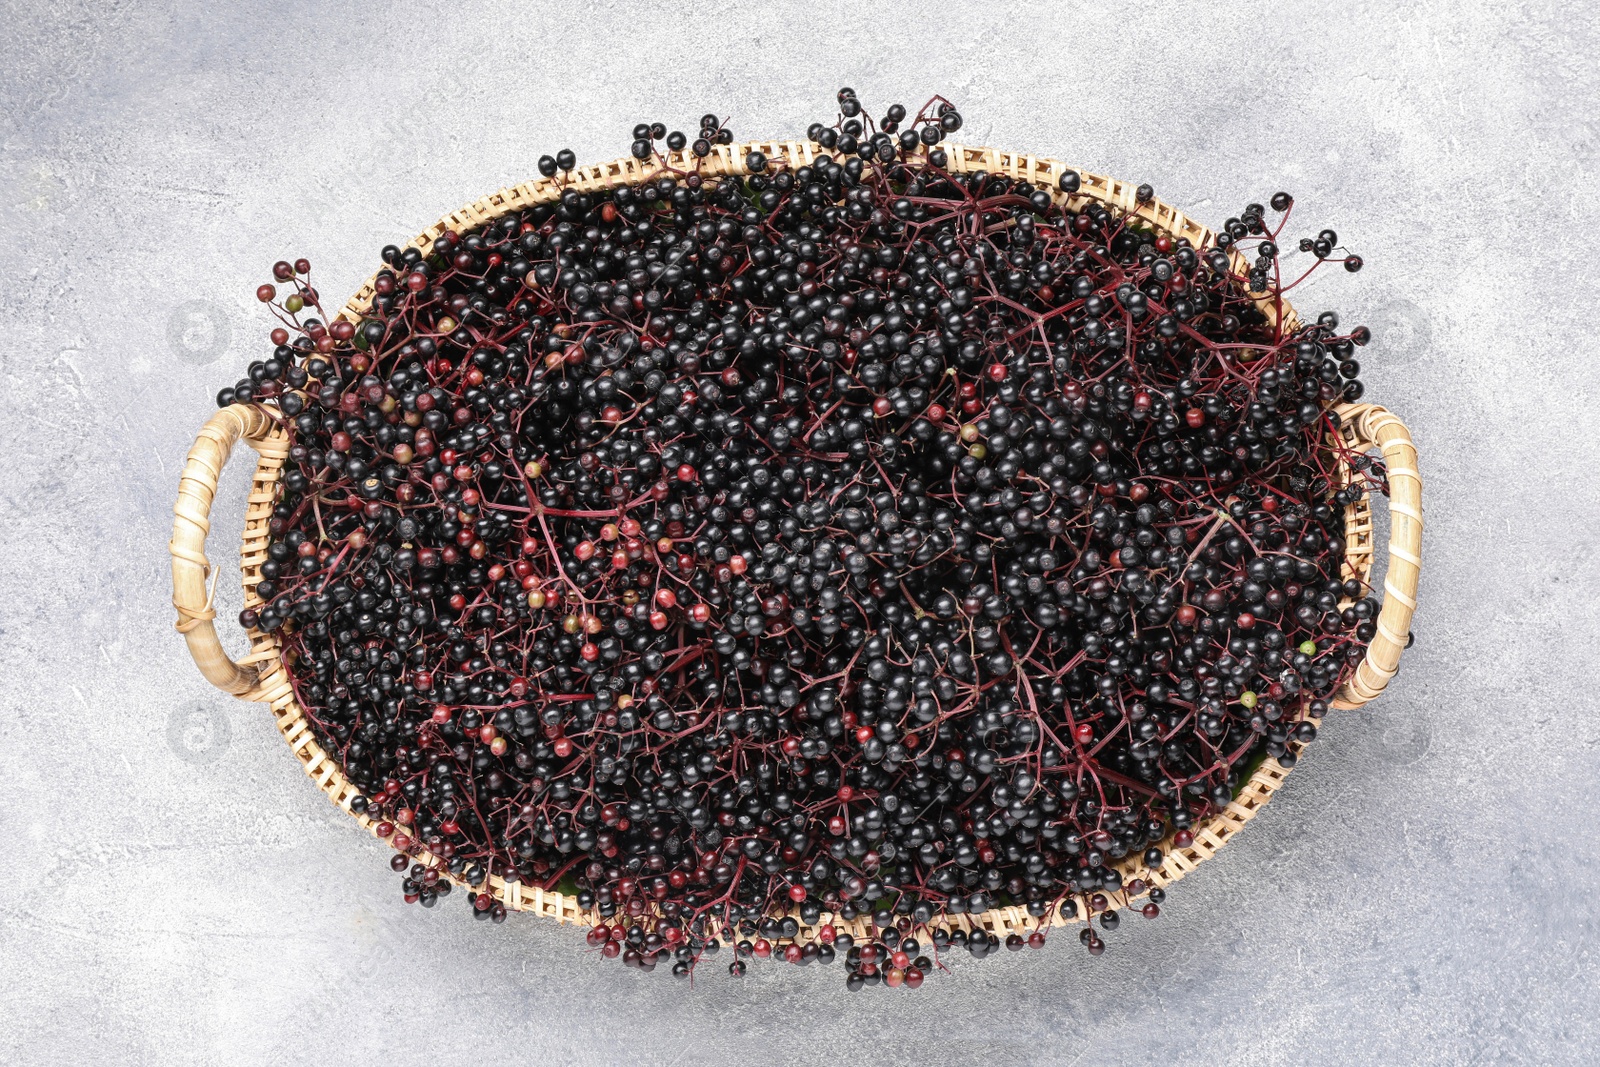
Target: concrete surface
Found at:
x=1423, y=890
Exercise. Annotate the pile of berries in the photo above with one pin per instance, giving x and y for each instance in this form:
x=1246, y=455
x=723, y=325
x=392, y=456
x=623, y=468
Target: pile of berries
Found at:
x=854, y=541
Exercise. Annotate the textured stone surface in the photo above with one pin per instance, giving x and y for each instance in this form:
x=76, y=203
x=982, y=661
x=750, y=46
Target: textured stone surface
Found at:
x=1422, y=891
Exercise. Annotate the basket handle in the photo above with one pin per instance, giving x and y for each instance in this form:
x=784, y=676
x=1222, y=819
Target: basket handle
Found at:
x=191, y=593
x=1375, y=427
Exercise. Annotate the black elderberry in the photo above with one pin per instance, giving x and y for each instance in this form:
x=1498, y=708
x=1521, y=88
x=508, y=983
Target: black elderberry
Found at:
x=888, y=543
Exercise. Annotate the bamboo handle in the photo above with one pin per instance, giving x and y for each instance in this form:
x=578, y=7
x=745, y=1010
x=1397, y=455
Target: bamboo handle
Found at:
x=1373, y=426
x=191, y=594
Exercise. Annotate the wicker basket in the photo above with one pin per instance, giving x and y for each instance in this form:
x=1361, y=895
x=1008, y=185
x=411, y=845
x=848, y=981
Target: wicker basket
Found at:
x=260, y=675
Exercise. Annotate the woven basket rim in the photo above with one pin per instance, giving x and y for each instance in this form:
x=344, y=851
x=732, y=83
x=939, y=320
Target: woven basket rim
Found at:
x=272, y=684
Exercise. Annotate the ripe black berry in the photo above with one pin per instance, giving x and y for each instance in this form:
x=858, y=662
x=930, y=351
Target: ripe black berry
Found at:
x=847, y=541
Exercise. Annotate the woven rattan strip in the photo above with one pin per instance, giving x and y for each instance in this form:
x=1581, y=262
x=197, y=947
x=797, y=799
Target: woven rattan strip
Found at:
x=262, y=674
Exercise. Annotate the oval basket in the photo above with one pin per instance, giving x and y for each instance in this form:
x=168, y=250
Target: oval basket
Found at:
x=262, y=676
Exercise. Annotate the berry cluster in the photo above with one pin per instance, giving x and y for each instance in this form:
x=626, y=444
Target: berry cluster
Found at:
x=862, y=539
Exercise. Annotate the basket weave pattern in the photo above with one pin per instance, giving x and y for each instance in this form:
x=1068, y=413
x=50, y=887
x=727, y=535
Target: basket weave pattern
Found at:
x=262, y=676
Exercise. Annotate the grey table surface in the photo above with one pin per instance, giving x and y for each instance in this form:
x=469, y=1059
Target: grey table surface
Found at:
x=1422, y=890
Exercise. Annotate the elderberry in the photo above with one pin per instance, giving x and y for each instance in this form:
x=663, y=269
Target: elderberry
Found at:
x=853, y=540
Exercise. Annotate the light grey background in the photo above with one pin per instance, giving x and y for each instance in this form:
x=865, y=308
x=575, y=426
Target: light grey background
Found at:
x=1422, y=891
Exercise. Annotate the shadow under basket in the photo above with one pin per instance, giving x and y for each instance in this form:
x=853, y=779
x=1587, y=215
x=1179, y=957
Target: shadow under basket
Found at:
x=262, y=676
